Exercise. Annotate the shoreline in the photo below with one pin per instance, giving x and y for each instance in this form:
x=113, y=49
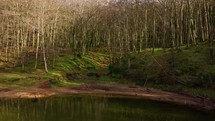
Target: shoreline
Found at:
x=117, y=90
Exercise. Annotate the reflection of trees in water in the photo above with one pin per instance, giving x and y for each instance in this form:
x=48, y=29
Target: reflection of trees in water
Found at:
x=52, y=109
x=95, y=108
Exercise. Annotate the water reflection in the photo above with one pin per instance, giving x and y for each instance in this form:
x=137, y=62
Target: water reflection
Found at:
x=94, y=108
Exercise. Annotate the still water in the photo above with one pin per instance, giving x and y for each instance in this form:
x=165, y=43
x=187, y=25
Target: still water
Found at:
x=96, y=108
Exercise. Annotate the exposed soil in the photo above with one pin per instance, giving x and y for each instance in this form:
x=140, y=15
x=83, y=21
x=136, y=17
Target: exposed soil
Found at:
x=113, y=89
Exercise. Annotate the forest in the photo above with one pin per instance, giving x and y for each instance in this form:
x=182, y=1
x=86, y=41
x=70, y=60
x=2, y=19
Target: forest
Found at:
x=46, y=28
x=113, y=46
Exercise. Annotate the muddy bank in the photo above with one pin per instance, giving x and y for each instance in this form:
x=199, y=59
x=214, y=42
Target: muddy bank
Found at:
x=113, y=90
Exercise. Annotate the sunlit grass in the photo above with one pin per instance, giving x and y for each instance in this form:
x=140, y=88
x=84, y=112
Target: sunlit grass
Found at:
x=66, y=63
x=75, y=63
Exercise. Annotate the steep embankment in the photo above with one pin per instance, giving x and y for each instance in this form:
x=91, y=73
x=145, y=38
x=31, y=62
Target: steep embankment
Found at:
x=189, y=70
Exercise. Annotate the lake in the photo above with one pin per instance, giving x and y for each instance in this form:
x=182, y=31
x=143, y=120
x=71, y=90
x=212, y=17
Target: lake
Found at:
x=97, y=108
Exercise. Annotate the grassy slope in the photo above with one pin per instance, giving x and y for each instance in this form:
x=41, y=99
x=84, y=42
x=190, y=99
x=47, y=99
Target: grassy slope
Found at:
x=189, y=71
x=14, y=77
x=190, y=66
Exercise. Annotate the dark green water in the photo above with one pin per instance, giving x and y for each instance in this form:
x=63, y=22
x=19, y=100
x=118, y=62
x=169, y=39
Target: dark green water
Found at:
x=94, y=108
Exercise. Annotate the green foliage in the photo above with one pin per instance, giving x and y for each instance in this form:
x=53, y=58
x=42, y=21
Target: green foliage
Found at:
x=192, y=66
x=66, y=63
x=119, y=68
x=189, y=66
x=75, y=63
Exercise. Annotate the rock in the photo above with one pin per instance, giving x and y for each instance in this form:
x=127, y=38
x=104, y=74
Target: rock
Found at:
x=93, y=75
x=69, y=76
x=72, y=76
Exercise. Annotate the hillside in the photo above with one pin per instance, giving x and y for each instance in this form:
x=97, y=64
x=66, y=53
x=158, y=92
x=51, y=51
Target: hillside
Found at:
x=189, y=71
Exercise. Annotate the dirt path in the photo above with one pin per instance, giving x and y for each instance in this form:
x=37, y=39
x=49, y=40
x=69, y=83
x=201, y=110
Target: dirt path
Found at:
x=113, y=90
